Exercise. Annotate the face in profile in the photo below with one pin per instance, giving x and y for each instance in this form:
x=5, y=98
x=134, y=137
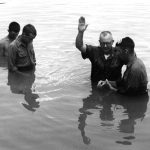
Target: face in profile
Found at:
x=13, y=34
x=123, y=54
x=27, y=37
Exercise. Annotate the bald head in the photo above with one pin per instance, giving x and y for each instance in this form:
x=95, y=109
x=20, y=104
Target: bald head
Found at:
x=106, y=36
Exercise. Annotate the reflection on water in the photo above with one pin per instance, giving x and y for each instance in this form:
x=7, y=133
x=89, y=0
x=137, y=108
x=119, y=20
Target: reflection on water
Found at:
x=21, y=83
x=109, y=104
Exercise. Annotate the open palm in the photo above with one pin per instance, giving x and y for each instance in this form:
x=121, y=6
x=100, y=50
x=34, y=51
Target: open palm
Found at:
x=82, y=25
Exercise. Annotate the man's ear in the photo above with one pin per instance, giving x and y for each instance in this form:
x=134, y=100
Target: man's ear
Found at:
x=112, y=41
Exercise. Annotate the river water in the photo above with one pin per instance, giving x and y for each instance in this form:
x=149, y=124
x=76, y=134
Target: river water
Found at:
x=54, y=108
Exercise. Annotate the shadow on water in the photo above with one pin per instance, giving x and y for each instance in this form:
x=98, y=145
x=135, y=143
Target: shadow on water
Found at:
x=21, y=83
x=109, y=103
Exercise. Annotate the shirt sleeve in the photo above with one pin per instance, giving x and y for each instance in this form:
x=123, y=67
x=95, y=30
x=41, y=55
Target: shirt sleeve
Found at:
x=12, y=58
x=89, y=53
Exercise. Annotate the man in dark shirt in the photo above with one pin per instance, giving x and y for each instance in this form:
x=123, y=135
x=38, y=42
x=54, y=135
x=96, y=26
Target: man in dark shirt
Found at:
x=134, y=81
x=105, y=64
x=21, y=54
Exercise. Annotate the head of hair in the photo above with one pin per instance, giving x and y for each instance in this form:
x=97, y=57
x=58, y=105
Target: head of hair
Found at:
x=29, y=28
x=128, y=43
x=14, y=26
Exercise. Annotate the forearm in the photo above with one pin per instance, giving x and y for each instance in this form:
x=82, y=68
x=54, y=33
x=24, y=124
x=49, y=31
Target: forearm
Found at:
x=113, y=88
x=113, y=83
x=79, y=42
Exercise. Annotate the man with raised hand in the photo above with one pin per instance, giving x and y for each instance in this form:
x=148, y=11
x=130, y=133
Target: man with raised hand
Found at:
x=105, y=63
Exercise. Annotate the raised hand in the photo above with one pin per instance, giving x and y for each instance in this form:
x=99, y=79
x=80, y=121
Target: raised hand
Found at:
x=82, y=24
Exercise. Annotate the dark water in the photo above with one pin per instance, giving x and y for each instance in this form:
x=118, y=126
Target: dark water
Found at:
x=54, y=107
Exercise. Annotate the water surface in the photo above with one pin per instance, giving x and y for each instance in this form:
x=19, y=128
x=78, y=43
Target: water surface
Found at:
x=55, y=107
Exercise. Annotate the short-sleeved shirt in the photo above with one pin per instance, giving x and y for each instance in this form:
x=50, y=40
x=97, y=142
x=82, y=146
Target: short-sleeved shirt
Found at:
x=20, y=55
x=134, y=81
x=101, y=68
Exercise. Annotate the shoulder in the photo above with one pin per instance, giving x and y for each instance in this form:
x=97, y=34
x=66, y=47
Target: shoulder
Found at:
x=92, y=47
x=4, y=41
x=138, y=64
x=13, y=45
x=93, y=50
x=138, y=67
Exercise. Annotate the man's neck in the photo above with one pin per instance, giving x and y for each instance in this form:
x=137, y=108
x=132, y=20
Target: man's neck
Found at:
x=10, y=39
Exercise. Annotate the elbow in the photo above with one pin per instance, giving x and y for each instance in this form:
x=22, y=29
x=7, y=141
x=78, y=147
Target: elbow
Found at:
x=79, y=46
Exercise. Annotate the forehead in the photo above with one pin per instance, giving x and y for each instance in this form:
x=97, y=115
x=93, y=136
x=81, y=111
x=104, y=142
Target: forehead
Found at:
x=106, y=37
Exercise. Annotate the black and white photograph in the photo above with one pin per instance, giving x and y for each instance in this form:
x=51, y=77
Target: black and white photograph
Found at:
x=74, y=74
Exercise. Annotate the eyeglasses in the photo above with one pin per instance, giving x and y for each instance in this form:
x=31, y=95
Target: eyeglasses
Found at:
x=105, y=43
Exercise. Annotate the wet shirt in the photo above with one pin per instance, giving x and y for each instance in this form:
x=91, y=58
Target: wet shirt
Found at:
x=20, y=55
x=102, y=68
x=134, y=81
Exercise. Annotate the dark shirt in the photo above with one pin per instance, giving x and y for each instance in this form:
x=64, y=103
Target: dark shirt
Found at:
x=20, y=55
x=102, y=68
x=134, y=81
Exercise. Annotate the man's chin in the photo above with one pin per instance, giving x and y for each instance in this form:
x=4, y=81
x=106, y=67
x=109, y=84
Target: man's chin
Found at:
x=107, y=51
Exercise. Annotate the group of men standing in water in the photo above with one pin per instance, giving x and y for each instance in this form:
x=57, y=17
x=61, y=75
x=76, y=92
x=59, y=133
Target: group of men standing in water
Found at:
x=106, y=60
x=19, y=50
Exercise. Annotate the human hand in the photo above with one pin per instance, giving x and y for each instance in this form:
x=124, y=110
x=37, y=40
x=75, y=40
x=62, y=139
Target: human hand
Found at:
x=101, y=83
x=110, y=86
x=107, y=82
x=82, y=25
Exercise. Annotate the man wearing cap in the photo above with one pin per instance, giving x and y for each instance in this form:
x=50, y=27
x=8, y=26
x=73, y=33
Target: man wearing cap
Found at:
x=105, y=64
x=134, y=81
x=21, y=54
x=13, y=31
